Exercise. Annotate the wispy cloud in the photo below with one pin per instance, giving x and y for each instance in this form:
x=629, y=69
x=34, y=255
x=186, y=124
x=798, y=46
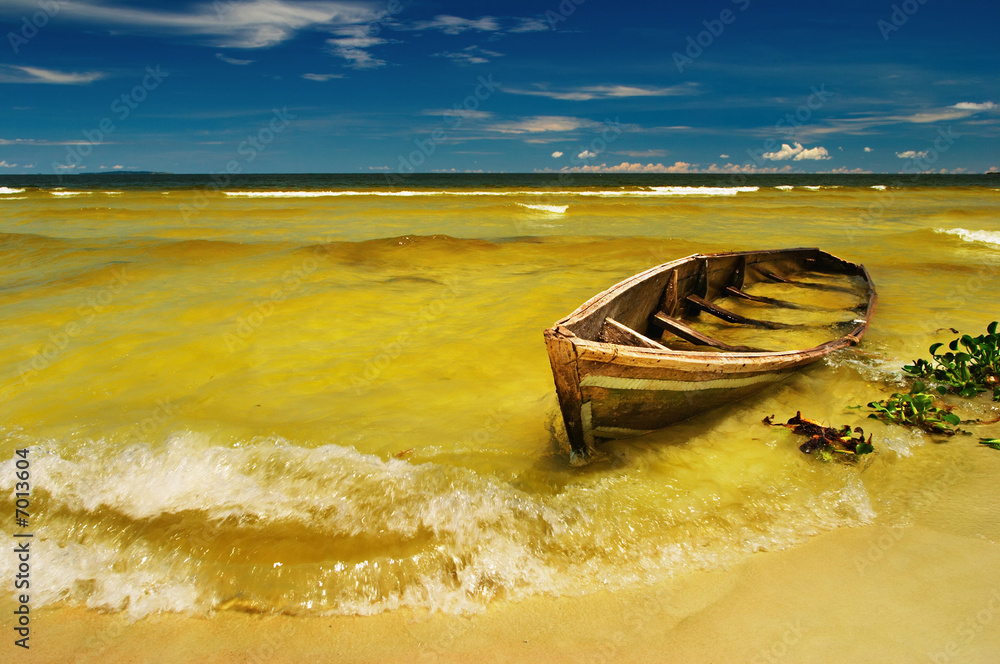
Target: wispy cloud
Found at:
x=912, y=154
x=455, y=25
x=643, y=154
x=354, y=48
x=4, y=164
x=228, y=23
x=796, y=152
x=321, y=77
x=470, y=55
x=19, y=74
x=37, y=141
x=232, y=61
x=607, y=92
x=530, y=25
x=543, y=123
x=863, y=124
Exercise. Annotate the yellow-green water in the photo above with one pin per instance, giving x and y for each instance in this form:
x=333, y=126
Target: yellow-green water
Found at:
x=342, y=402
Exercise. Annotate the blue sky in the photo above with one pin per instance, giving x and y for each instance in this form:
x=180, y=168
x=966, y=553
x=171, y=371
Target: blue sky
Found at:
x=394, y=86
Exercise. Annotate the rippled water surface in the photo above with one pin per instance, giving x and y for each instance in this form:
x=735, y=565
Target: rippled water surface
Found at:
x=323, y=394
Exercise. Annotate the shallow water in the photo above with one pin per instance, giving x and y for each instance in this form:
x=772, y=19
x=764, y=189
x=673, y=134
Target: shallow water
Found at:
x=333, y=395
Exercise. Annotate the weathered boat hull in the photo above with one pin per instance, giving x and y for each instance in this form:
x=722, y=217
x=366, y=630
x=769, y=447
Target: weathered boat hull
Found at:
x=613, y=381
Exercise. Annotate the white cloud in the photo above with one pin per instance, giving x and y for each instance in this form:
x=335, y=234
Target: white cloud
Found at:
x=4, y=164
x=353, y=49
x=587, y=93
x=455, y=25
x=321, y=77
x=586, y=154
x=867, y=149
x=470, y=55
x=232, y=61
x=723, y=156
x=460, y=113
x=796, y=152
x=676, y=167
x=243, y=24
x=19, y=74
x=543, y=123
x=531, y=25
x=38, y=141
x=912, y=154
x=643, y=154
x=556, y=154
x=973, y=106
x=845, y=170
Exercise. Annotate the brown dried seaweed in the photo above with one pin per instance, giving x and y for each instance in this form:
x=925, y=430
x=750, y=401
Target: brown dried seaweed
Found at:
x=827, y=442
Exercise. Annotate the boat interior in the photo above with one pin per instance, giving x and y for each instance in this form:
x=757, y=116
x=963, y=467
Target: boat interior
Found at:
x=740, y=302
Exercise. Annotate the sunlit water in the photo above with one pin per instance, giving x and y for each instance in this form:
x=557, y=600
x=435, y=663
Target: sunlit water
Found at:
x=312, y=394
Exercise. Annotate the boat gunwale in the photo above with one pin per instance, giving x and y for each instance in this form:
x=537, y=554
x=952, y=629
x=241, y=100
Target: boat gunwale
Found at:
x=651, y=357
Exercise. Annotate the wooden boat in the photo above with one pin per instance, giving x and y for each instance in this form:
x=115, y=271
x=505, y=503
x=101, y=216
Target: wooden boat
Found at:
x=632, y=359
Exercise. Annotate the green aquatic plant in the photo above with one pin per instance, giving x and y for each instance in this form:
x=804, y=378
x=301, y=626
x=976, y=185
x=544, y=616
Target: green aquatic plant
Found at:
x=918, y=409
x=965, y=372
x=990, y=442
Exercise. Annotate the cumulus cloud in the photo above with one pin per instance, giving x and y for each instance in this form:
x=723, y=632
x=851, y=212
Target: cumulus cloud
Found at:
x=796, y=152
x=867, y=149
x=4, y=164
x=557, y=154
x=676, y=167
x=912, y=154
x=973, y=106
x=19, y=74
x=586, y=154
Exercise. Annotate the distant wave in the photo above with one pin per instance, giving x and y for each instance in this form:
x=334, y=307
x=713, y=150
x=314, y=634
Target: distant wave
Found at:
x=986, y=237
x=555, y=209
x=880, y=187
x=70, y=193
x=604, y=193
x=8, y=190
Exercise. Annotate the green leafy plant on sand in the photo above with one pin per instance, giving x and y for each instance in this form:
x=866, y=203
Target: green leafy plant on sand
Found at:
x=916, y=409
x=964, y=372
x=990, y=442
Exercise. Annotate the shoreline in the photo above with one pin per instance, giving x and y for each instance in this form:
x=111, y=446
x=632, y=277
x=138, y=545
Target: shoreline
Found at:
x=796, y=605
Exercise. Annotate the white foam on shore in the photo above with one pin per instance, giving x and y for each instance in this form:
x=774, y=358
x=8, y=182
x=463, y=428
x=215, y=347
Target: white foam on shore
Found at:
x=880, y=187
x=462, y=538
x=553, y=209
x=985, y=237
x=71, y=193
x=10, y=190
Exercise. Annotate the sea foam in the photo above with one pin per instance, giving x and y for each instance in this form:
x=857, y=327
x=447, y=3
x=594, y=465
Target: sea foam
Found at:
x=195, y=526
x=985, y=237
